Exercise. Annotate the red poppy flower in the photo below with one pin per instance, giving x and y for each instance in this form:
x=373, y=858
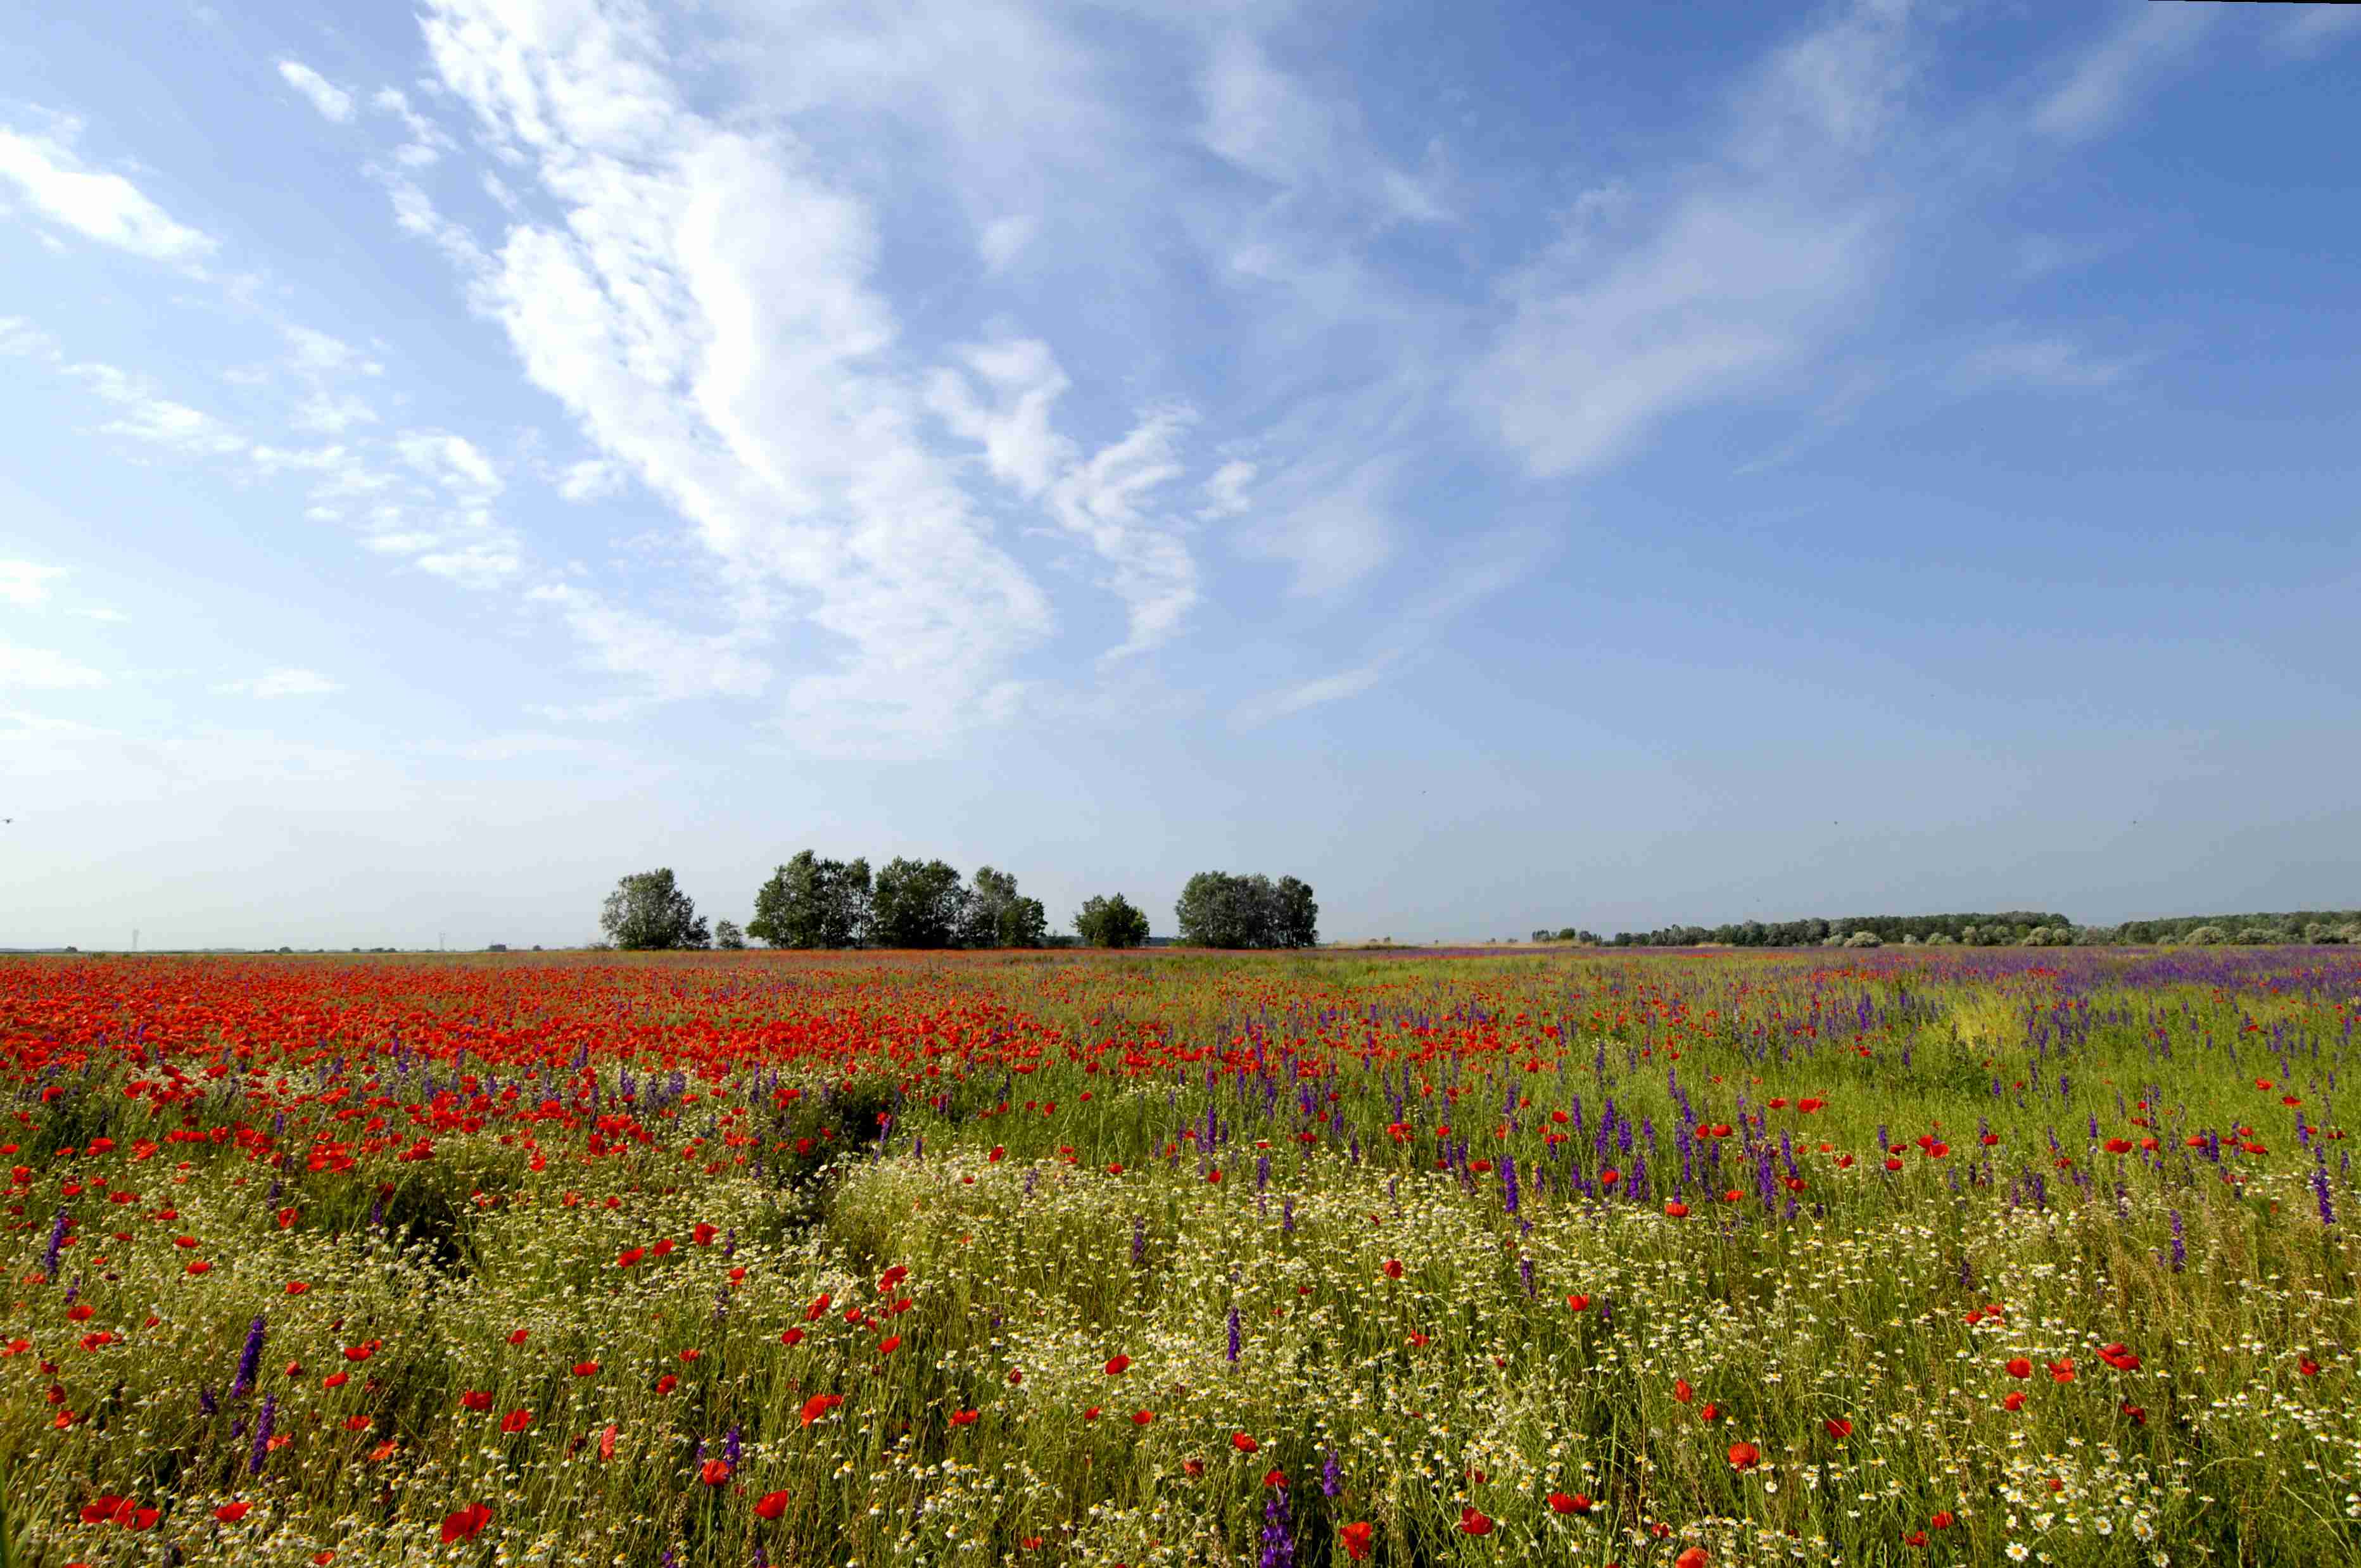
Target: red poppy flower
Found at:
x=465, y=1524
x=1682, y=1391
x=1090, y=1414
x=791, y=1337
x=2013, y=1402
x=516, y=1421
x=2018, y=1366
x=1473, y=1521
x=1142, y=1417
x=1578, y=1303
x=1118, y=1365
x=770, y=1505
x=668, y=1383
x=1393, y=1269
x=1694, y=1557
x=519, y=1336
x=819, y=1405
x=704, y=1233
x=1275, y=1478
x=965, y=1417
x=476, y=1398
x=1243, y=1443
x=715, y=1472
x=1840, y=1428
x=889, y=1345
x=1941, y=1521
x=360, y=1352
x=630, y=1256
x=1355, y=1537
x=1569, y=1503
x=2308, y=1366
x=586, y=1369
x=1676, y=1209
x=1744, y=1456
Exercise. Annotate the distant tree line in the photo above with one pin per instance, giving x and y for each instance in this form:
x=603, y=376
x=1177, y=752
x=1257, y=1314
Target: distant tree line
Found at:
x=2012, y=928
x=2334, y=925
x=811, y=902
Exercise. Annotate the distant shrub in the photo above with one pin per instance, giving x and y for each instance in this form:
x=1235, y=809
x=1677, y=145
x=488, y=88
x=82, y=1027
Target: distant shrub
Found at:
x=1940, y=940
x=1864, y=939
x=2206, y=936
x=2256, y=936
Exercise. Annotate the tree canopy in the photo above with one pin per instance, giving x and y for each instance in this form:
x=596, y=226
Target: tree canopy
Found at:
x=1110, y=920
x=648, y=910
x=1217, y=909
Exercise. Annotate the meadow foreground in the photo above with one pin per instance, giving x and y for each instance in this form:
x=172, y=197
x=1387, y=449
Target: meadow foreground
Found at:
x=1976, y=1257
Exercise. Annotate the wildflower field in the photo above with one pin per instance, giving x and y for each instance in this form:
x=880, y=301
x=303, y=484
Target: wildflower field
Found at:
x=1974, y=1257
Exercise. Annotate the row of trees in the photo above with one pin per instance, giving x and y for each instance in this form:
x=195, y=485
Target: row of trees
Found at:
x=2015, y=928
x=811, y=902
x=1219, y=910
x=1972, y=930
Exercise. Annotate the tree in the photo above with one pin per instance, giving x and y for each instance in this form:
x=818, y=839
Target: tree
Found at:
x=812, y=903
x=916, y=904
x=726, y=935
x=997, y=916
x=1295, y=916
x=648, y=910
x=2205, y=936
x=1111, y=921
x=1219, y=910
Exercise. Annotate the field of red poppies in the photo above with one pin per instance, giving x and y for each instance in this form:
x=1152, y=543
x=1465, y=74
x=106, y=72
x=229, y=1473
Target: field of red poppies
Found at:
x=1968, y=1256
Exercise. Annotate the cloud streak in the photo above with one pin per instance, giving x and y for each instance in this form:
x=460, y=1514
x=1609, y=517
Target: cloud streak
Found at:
x=107, y=208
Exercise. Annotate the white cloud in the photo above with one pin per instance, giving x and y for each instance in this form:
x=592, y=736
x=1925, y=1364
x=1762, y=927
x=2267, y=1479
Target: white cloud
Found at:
x=1106, y=500
x=26, y=583
x=1752, y=263
x=1004, y=237
x=671, y=662
x=428, y=141
x=706, y=313
x=1310, y=694
x=1226, y=492
x=281, y=682
x=105, y=207
x=2150, y=42
x=326, y=96
x=2048, y=364
x=21, y=337
x=147, y=415
x=450, y=459
x=591, y=479
x=2314, y=29
x=38, y=669
x=1263, y=120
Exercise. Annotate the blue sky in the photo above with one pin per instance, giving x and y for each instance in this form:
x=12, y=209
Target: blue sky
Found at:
x=1507, y=465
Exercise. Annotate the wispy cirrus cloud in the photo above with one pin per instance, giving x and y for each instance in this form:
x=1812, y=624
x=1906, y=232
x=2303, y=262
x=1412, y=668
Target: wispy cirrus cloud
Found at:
x=2043, y=363
x=26, y=583
x=332, y=101
x=1742, y=267
x=2102, y=85
x=108, y=208
x=43, y=669
x=283, y=682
